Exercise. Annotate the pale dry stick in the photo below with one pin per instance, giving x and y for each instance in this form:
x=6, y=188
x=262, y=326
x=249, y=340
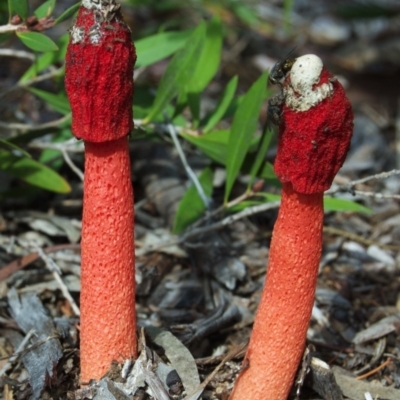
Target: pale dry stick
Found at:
x=189, y=171
x=55, y=270
x=71, y=164
x=221, y=209
x=247, y=212
x=33, y=346
x=17, y=53
x=377, y=195
x=232, y=354
x=17, y=352
x=40, y=78
x=71, y=146
x=357, y=238
x=351, y=184
x=29, y=127
x=381, y=175
x=9, y=28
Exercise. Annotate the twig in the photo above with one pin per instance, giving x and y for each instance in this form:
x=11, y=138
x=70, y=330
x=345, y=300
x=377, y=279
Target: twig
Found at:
x=9, y=28
x=231, y=355
x=71, y=164
x=29, y=127
x=189, y=171
x=33, y=346
x=17, y=353
x=350, y=185
x=373, y=371
x=206, y=229
x=376, y=195
x=221, y=209
x=357, y=238
x=55, y=269
x=30, y=82
x=24, y=261
x=17, y=53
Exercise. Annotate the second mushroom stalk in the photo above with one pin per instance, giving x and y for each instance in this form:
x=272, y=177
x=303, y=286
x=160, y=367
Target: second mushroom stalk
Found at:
x=316, y=125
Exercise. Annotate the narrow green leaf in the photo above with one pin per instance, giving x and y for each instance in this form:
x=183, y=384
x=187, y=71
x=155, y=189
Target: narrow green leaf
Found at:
x=245, y=13
x=11, y=146
x=47, y=59
x=207, y=66
x=267, y=172
x=58, y=101
x=209, y=58
x=51, y=157
x=213, y=144
x=260, y=156
x=243, y=127
x=178, y=72
x=67, y=13
x=33, y=172
x=191, y=207
x=19, y=7
x=45, y=9
x=223, y=104
x=260, y=198
x=335, y=204
x=157, y=47
x=37, y=41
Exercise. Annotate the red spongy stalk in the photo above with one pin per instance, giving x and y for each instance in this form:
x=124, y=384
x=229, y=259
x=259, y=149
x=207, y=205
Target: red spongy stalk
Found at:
x=280, y=328
x=99, y=75
x=108, y=319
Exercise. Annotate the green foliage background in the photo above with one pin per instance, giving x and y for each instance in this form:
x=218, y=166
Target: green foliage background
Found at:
x=194, y=55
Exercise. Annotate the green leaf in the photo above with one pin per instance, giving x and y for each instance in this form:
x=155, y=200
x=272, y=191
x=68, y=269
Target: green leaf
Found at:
x=58, y=101
x=260, y=157
x=223, y=104
x=267, y=172
x=157, y=47
x=33, y=172
x=19, y=7
x=243, y=127
x=191, y=207
x=335, y=204
x=47, y=59
x=260, y=198
x=67, y=13
x=207, y=66
x=244, y=12
x=37, y=41
x=178, y=72
x=11, y=146
x=45, y=9
x=213, y=144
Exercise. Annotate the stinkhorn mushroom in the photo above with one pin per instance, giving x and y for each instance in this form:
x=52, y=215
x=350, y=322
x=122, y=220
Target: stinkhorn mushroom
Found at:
x=99, y=83
x=315, y=132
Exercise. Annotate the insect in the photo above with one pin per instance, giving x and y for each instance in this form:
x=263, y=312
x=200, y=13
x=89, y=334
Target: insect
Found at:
x=280, y=69
x=277, y=77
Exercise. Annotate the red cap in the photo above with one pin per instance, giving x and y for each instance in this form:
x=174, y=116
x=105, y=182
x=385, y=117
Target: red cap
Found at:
x=316, y=128
x=99, y=73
